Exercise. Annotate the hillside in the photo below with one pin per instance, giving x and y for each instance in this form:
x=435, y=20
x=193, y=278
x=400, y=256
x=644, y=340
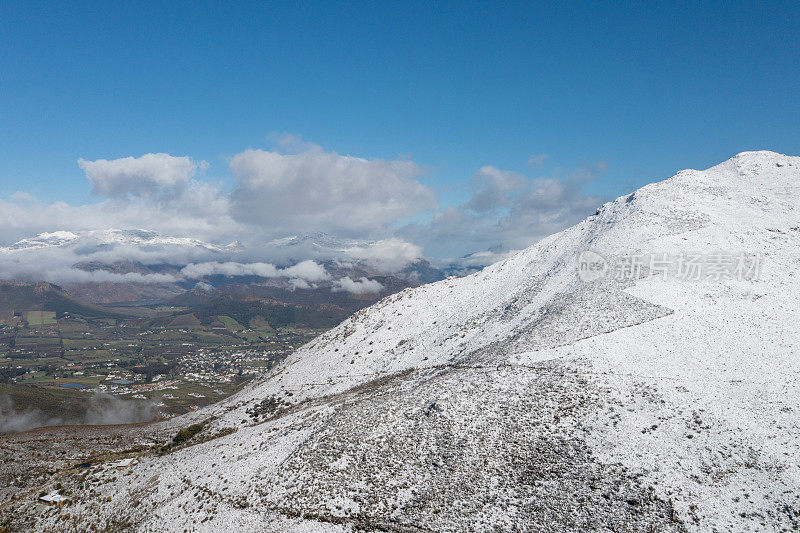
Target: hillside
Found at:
x=42, y=296
x=635, y=372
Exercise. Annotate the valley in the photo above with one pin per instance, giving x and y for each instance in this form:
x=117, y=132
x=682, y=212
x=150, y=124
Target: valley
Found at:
x=164, y=338
x=165, y=359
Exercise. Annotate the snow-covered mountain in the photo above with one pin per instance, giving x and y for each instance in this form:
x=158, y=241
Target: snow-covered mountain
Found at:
x=320, y=240
x=639, y=371
x=115, y=247
x=122, y=237
x=144, y=266
x=326, y=245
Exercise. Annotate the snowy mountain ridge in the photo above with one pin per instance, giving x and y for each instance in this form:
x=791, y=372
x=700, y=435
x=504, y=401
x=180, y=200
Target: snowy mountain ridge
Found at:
x=145, y=237
x=319, y=239
x=124, y=237
x=475, y=301
x=526, y=397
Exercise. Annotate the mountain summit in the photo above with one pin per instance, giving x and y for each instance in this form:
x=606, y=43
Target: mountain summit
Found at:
x=638, y=371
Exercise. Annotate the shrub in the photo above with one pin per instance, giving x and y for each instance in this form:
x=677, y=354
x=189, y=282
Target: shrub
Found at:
x=187, y=433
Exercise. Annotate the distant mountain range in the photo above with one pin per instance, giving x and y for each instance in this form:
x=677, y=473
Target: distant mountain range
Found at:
x=109, y=237
x=324, y=275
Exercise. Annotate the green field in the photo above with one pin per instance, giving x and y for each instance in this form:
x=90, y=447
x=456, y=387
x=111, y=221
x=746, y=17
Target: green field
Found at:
x=41, y=318
x=93, y=356
x=41, y=379
x=188, y=321
x=230, y=323
x=36, y=340
x=77, y=344
x=38, y=353
x=213, y=338
x=259, y=328
x=72, y=327
x=260, y=325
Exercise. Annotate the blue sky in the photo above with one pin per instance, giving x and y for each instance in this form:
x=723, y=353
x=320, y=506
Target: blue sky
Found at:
x=453, y=87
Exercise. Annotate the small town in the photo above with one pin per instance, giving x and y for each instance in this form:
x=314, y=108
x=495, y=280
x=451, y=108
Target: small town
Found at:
x=171, y=369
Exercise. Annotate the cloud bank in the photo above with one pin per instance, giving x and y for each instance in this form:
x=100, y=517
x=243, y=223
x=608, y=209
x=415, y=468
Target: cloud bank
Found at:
x=371, y=210
x=148, y=174
x=316, y=189
x=306, y=270
x=507, y=211
x=360, y=286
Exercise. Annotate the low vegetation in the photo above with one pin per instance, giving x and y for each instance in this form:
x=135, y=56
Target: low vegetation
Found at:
x=187, y=433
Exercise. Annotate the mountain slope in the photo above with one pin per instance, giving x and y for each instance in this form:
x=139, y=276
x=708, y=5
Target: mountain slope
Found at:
x=532, y=396
x=42, y=296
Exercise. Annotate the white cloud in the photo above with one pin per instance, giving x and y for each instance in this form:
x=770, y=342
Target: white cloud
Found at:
x=298, y=283
x=314, y=189
x=280, y=194
x=60, y=271
x=229, y=268
x=507, y=211
x=22, y=196
x=491, y=187
x=143, y=175
x=388, y=255
x=361, y=286
x=306, y=270
x=75, y=275
x=199, y=210
x=62, y=263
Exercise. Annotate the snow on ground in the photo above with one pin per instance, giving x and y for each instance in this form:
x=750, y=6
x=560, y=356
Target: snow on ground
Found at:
x=527, y=397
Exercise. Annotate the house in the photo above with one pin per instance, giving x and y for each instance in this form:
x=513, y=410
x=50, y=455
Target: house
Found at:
x=123, y=464
x=53, y=498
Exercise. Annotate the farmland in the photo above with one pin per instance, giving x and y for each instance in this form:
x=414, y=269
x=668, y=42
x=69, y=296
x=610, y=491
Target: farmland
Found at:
x=166, y=358
x=40, y=318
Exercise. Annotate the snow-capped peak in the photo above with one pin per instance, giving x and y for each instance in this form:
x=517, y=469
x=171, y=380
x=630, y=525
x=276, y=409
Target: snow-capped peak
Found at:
x=113, y=236
x=319, y=240
x=43, y=240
